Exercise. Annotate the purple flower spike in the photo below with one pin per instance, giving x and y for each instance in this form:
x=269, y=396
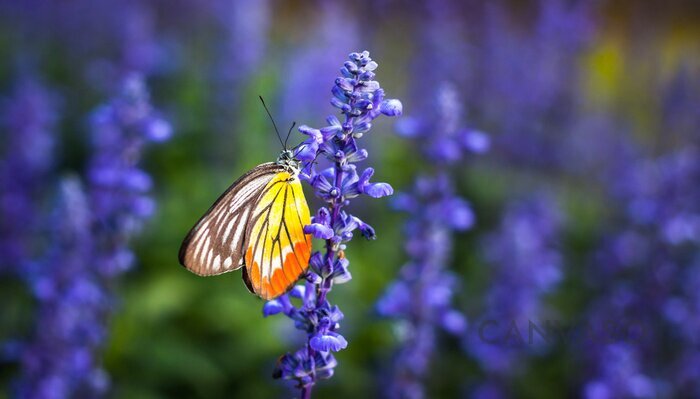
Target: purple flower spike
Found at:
x=27, y=120
x=360, y=99
x=421, y=298
x=94, y=221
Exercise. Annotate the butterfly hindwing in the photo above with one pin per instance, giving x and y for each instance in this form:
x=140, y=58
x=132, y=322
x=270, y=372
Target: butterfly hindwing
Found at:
x=278, y=251
x=217, y=242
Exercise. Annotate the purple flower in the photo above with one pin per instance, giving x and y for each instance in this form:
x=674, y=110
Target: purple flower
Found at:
x=374, y=190
x=647, y=271
x=360, y=100
x=420, y=299
x=442, y=138
x=528, y=81
x=28, y=117
x=59, y=360
x=329, y=341
x=525, y=262
x=73, y=283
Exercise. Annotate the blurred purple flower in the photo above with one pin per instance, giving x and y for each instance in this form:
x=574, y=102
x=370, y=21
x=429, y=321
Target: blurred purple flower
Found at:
x=648, y=272
x=360, y=100
x=526, y=85
x=28, y=117
x=74, y=282
x=118, y=188
x=420, y=299
x=60, y=360
x=442, y=137
x=526, y=265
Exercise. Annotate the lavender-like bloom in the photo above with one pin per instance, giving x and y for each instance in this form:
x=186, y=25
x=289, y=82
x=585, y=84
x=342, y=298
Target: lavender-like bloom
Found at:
x=118, y=188
x=524, y=256
x=74, y=283
x=360, y=99
x=648, y=270
x=60, y=360
x=526, y=81
x=420, y=299
x=28, y=118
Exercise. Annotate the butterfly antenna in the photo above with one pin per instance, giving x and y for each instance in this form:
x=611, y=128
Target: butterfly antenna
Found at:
x=289, y=133
x=273, y=122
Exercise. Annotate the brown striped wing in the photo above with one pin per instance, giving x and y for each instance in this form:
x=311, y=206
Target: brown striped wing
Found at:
x=217, y=242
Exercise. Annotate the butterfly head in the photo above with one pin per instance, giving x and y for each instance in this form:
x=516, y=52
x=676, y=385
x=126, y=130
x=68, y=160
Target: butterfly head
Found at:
x=290, y=163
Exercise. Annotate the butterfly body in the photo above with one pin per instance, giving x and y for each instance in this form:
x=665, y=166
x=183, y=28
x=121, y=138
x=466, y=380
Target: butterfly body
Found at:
x=258, y=222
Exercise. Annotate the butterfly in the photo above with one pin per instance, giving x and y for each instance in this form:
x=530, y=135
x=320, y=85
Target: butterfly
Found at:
x=258, y=222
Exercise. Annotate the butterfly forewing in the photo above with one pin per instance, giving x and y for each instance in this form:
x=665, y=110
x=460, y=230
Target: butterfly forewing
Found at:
x=278, y=251
x=217, y=242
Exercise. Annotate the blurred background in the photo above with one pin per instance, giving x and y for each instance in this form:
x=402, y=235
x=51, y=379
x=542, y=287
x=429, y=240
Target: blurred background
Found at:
x=122, y=121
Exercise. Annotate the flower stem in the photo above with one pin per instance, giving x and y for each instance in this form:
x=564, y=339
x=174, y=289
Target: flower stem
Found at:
x=306, y=391
x=335, y=206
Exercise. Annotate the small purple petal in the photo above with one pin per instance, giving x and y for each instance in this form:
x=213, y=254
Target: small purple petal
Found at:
x=298, y=291
x=378, y=190
x=307, y=151
x=458, y=214
x=272, y=307
x=476, y=141
x=366, y=230
x=319, y=231
x=454, y=322
x=158, y=130
x=328, y=342
x=391, y=107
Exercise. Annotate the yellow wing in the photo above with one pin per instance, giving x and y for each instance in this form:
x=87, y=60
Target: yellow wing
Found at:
x=278, y=251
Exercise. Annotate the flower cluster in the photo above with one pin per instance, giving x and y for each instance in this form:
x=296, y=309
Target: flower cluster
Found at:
x=420, y=299
x=60, y=360
x=526, y=261
x=73, y=284
x=530, y=106
x=659, y=202
x=360, y=99
x=28, y=118
x=451, y=142
x=118, y=187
